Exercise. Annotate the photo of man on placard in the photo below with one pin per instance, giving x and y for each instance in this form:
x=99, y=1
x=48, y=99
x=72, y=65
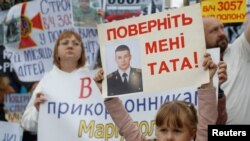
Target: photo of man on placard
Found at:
x=126, y=79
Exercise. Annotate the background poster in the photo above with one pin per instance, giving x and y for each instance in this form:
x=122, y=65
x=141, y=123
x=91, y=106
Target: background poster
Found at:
x=41, y=23
x=123, y=9
x=10, y=131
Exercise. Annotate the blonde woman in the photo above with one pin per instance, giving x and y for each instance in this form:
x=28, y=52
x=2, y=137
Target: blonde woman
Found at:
x=69, y=58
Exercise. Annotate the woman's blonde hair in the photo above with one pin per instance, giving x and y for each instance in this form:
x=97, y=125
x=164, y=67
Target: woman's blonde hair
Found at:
x=67, y=34
x=177, y=114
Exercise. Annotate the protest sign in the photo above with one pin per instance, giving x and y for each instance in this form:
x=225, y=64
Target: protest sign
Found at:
x=16, y=102
x=74, y=95
x=10, y=131
x=15, y=105
x=172, y=59
x=41, y=24
x=75, y=106
x=227, y=11
x=118, y=10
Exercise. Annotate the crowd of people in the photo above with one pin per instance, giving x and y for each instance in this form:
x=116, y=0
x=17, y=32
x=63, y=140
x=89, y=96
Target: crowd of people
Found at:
x=176, y=120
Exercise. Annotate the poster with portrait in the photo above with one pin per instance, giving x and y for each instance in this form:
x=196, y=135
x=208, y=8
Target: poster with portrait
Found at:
x=172, y=59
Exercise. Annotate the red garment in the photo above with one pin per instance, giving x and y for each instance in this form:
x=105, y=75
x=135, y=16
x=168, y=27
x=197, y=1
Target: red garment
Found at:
x=207, y=115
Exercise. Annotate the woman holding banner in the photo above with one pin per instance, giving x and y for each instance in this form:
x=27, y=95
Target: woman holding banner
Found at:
x=69, y=58
x=176, y=120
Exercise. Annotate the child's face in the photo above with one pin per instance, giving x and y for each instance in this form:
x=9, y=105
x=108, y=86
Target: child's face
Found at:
x=165, y=133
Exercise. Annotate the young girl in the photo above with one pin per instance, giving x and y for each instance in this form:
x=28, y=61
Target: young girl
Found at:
x=176, y=120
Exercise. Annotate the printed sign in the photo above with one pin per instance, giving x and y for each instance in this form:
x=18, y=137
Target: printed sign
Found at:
x=41, y=22
x=153, y=63
x=227, y=11
x=10, y=131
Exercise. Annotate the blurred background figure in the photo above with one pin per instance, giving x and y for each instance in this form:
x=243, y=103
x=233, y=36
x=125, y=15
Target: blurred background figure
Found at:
x=5, y=88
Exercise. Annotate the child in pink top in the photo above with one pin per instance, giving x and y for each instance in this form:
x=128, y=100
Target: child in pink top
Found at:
x=176, y=120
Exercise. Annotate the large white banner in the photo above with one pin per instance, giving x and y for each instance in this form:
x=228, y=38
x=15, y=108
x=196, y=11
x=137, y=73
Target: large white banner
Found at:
x=75, y=109
x=161, y=46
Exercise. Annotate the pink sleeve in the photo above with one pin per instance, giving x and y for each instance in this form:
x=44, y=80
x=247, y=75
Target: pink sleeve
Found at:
x=207, y=112
x=123, y=121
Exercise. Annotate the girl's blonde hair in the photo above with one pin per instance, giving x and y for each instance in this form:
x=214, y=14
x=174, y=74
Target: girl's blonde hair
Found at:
x=177, y=114
x=68, y=34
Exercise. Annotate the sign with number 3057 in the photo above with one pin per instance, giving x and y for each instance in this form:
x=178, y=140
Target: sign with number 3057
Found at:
x=228, y=11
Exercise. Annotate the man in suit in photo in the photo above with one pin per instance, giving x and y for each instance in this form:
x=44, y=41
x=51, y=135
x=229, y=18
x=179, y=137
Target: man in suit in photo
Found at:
x=125, y=79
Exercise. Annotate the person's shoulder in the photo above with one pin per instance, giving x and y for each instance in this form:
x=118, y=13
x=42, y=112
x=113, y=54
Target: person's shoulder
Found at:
x=112, y=75
x=137, y=70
